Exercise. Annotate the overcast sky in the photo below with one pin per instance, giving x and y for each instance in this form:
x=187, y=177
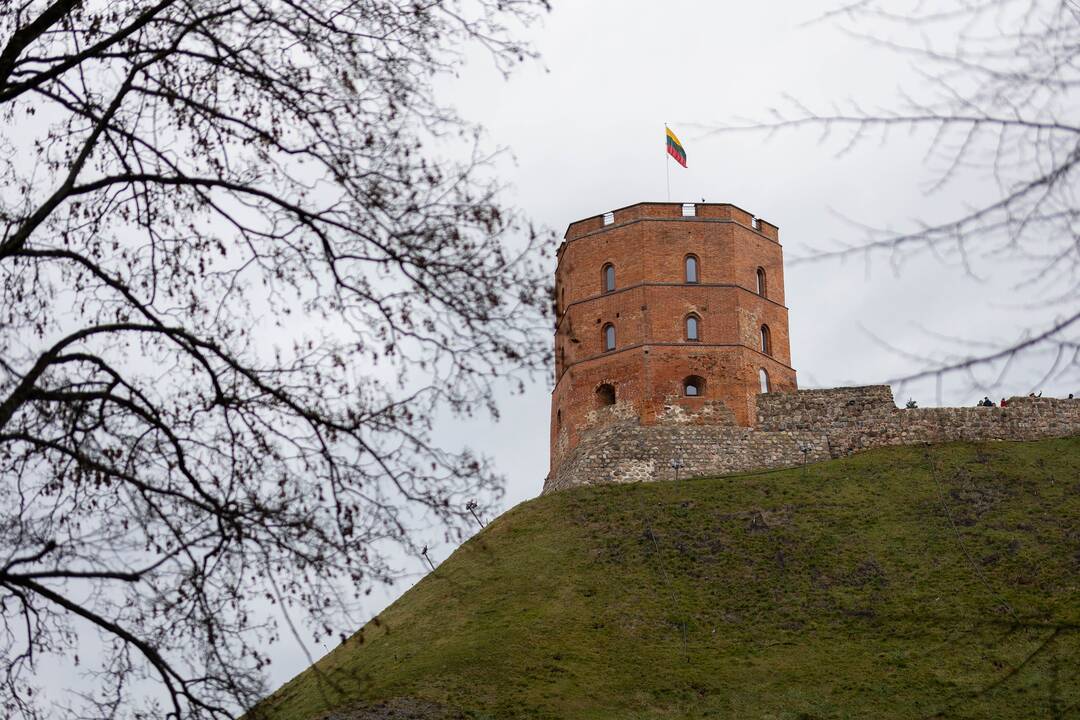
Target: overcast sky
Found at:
x=585, y=124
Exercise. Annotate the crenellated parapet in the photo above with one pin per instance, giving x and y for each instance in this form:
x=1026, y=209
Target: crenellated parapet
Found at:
x=691, y=212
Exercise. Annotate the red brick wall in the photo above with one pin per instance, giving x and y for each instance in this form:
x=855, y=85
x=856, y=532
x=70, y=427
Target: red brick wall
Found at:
x=647, y=243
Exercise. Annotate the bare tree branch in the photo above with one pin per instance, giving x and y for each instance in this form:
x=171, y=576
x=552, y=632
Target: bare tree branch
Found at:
x=247, y=258
x=999, y=100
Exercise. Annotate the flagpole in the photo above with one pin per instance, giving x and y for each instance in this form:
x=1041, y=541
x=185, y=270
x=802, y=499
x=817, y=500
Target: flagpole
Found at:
x=667, y=165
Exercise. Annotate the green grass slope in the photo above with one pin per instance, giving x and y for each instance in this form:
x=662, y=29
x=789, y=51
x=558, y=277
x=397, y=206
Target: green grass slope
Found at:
x=900, y=583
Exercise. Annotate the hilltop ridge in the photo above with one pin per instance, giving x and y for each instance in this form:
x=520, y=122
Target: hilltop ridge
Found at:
x=906, y=582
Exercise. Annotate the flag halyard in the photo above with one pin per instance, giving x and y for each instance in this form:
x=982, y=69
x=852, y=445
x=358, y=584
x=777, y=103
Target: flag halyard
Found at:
x=675, y=148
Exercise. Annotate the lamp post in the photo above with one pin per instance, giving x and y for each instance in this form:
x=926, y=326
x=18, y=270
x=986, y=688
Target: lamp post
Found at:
x=471, y=507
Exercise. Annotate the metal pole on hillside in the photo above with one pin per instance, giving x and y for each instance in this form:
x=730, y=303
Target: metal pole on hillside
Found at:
x=424, y=553
x=471, y=507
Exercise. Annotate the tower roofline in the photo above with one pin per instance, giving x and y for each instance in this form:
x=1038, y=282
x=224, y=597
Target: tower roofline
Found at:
x=670, y=211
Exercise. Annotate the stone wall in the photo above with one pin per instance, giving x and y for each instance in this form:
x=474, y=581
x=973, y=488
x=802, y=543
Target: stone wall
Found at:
x=627, y=451
x=808, y=425
x=864, y=417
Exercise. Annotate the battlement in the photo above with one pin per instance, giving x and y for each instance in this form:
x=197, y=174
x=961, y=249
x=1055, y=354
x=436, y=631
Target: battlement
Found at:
x=689, y=212
x=797, y=427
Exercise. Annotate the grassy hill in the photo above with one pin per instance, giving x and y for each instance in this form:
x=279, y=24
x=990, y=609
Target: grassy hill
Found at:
x=903, y=583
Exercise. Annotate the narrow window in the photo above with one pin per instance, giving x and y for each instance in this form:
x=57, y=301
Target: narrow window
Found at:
x=558, y=418
x=609, y=337
x=605, y=394
x=694, y=386
x=692, y=328
x=761, y=282
x=763, y=376
x=691, y=269
x=766, y=340
x=609, y=278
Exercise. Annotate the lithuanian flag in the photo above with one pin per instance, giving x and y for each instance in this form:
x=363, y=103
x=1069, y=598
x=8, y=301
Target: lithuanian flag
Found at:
x=675, y=148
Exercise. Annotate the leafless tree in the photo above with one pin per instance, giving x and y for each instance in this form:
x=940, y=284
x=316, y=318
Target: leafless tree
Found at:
x=997, y=97
x=241, y=271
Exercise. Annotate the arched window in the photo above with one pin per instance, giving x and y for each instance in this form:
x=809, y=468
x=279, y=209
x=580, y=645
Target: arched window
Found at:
x=761, y=286
x=605, y=394
x=692, y=329
x=609, y=278
x=766, y=340
x=691, y=269
x=609, y=337
x=694, y=386
x=763, y=376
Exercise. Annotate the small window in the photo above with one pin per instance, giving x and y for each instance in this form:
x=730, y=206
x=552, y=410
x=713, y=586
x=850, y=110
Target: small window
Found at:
x=558, y=418
x=692, y=322
x=763, y=376
x=605, y=394
x=609, y=218
x=691, y=269
x=766, y=340
x=609, y=278
x=609, y=337
x=761, y=286
x=689, y=210
x=694, y=386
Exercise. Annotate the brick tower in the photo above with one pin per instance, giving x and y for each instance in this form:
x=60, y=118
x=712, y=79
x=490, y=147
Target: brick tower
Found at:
x=667, y=312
